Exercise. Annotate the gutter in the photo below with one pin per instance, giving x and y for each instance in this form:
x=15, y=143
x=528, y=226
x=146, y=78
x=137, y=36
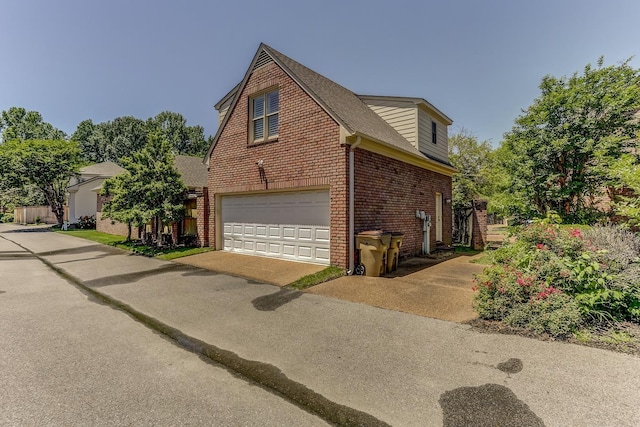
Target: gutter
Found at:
x=352, y=205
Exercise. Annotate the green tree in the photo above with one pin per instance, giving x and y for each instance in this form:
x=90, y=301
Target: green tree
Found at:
x=187, y=140
x=18, y=123
x=122, y=205
x=564, y=143
x=626, y=171
x=46, y=164
x=471, y=158
x=151, y=188
x=119, y=138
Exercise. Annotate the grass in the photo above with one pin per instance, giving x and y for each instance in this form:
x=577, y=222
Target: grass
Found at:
x=485, y=259
x=181, y=252
x=95, y=236
x=119, y=242
x=466, y=250
x=325, y=275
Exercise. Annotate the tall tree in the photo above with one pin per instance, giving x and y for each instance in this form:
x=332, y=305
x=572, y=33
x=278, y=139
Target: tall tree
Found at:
x=565, y=141
x=45, y=164
x=18, y=123
x=119, y=138
x=187, y=140
x=151, y=187
x=626, y=171
x=471, y=158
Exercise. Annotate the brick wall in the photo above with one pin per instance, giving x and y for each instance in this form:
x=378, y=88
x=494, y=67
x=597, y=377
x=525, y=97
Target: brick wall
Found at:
x=107, y=225
x=202, y=206
x=480, y=229
x=387, y=194
x=307, y=154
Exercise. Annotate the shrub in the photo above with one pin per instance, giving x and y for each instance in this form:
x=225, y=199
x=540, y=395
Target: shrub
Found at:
x=554, y=278
x=86, y=223
x=557, y=314
x=7, y=217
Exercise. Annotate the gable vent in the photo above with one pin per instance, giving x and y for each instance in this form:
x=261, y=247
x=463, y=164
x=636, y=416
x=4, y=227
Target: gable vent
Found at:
x=262, y=60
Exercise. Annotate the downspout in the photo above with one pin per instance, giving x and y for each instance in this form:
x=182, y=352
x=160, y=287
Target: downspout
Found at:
x=352, y=205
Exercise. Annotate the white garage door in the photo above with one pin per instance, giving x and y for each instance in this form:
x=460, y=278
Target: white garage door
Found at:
x=281, y=225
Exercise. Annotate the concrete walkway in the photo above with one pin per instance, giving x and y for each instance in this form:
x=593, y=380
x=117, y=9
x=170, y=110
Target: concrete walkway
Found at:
x=372, y=366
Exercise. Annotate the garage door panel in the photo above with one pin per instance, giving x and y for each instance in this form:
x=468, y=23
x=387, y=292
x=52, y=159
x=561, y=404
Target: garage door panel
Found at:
x=274, y=231
x=288, y=232
x=322, y=235
x=275, y=249
x=305, y=233
x=322, y=254
x=282, y=225
x=289, y=250
x=305, y=252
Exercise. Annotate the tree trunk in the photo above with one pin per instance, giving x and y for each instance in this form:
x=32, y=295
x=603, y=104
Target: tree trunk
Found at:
x=159, y=230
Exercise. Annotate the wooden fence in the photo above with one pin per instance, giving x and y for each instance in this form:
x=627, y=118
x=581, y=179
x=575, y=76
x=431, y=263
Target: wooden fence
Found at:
x=28, y=215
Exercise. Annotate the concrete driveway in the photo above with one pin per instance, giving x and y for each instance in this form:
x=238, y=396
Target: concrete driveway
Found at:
x=440, y=289
x=265, y=270
x=422, y=286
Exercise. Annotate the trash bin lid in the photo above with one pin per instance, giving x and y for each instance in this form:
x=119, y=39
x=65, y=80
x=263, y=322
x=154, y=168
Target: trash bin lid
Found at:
x=371, y=233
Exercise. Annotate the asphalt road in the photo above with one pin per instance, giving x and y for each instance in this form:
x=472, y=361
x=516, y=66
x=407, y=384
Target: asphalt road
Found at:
x=69, y=361
x=388, y=368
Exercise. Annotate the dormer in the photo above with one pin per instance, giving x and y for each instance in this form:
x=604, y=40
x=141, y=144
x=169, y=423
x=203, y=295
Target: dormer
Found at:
x=419, y=122
x=223, y=105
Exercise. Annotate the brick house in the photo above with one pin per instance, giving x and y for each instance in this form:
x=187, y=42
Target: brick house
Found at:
x=299, y=164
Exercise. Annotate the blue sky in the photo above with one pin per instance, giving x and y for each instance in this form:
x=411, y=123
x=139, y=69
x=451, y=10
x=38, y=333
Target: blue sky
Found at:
x=480, y=62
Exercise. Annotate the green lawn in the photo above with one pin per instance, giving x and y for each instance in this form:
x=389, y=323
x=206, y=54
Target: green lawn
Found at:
x=119, y=242
x=96, y=236
x=325, y=275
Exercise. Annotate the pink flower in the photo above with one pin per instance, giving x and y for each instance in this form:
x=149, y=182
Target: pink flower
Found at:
x=576, y=233
x=540, y=246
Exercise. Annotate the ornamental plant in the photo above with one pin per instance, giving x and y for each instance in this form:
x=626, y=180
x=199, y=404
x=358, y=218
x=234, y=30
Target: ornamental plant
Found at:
x=554, y=279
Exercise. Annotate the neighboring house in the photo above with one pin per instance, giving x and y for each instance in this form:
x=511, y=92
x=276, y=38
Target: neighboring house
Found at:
x=194, y=175
x=300, y=164
x=83, y=191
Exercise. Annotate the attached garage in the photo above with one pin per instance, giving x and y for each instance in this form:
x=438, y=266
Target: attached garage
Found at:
x=292, y=225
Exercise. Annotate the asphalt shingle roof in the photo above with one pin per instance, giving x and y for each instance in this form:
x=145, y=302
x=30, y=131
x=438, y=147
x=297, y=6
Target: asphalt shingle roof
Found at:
x=107, y=169
x=343, y=104
x=192, y=170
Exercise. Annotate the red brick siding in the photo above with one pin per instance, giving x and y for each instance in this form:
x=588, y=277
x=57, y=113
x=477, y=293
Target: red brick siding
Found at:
x=387, y=194
x=480, y=229
x=307, y=154
x=202, y=205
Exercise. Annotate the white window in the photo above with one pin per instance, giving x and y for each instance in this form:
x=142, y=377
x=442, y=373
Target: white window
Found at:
x=264, y=115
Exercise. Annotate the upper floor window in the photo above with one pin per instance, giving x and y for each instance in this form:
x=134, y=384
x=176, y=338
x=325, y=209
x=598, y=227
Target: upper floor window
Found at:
x=434, y=132
x=264, y=116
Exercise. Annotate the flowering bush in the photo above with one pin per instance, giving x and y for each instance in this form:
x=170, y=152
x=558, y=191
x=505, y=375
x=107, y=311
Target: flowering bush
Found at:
x=86, y=222
x=553, y=279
